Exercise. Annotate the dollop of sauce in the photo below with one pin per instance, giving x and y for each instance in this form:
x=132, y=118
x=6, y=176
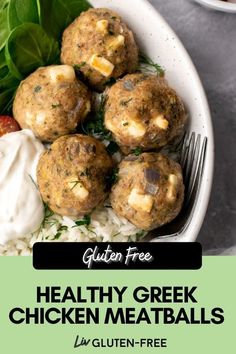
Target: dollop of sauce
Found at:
x=21, y=206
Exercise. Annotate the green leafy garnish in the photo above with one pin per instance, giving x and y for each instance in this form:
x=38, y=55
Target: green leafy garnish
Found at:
x=137, y=151
x=48, y=213
x=56, y=15
x=110, y=81
x=85, y=221
x=60, y=231
x=149, y=64
x=95, y=126
x=29, y=47
x=79, y=66
x=139, y=235
x=30, y=37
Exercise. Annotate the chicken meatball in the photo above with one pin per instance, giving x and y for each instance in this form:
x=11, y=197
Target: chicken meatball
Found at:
x=101, y=46
x=72, y=175
x=141, y=110
x=149, y=191
x=51, y=102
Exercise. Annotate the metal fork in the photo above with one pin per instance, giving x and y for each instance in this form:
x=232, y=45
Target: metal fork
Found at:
x=192, y=160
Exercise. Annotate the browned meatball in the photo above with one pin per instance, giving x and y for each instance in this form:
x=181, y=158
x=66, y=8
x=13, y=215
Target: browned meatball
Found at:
x=141, y=110
x=72, y=175
x=150, y=191
x=51, y=102
x=101, y=45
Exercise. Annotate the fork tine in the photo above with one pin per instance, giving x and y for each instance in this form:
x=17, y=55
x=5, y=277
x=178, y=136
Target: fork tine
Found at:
x=187, y=164
x=183, y=149
x=193, y=173
x=196, y=182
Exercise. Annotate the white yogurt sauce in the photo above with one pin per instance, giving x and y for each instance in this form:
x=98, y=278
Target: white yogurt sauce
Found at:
x=21, y=207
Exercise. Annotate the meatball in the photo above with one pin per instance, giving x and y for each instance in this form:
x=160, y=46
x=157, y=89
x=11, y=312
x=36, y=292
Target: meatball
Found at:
x=101, y=45
x=141, y=110
x=51, y=102
x=72, y=175
x=149, y=191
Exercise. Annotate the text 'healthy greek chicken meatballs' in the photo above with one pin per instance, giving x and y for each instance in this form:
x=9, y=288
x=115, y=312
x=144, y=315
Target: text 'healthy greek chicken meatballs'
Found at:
x=72, y=175
x=51, y=102
x=150, y=191
x=101, y=45
x=141, y=110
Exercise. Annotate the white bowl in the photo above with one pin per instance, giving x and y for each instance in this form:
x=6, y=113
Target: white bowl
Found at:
x=219, y=5
x=158, y=41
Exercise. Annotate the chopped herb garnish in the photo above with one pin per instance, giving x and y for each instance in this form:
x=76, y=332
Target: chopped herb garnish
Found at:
x=110, y=82
x=125, y=103
x=149, y=63
x=112, y=148
x=37, y=88
x=125, y=124
x=79, y=66
x=86, y=172
x=85, y=221
x=75, y=184
x=114, y=18
x=60, y=231
x=47, y=211
x=137, y=151
x=140, y=234
x=95, y=126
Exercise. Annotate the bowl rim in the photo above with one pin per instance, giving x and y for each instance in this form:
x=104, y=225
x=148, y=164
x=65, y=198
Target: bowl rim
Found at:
x=218, y=5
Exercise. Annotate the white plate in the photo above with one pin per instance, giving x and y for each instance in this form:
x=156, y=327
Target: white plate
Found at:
x=219, y=5
x=158, y=41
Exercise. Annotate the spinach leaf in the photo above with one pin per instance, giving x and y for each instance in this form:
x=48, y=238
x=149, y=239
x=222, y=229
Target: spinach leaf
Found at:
x=6, y=99
x=8, y=81
x=29, y=47
x=4, y=27
x=22, y=11
x=3, y=66
x=56, y=15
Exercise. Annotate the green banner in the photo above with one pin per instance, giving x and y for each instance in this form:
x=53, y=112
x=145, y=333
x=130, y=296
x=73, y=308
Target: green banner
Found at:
x=117, y=311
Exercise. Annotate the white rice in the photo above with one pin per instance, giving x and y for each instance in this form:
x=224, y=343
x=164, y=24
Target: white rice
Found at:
x=105, y=226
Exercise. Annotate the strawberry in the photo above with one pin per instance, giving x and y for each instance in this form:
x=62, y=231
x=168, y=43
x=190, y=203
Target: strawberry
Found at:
x=8, y=125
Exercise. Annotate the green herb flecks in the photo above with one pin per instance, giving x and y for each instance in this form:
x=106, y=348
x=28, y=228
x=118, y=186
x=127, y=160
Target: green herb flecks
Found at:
x=95, y=126
x=86, y=221
x=37, y=88
x=85, y=173
x=74, y=184
x=126, y=102
x=77, y=67
x=60, y=231
x=110, y=82
x=137, y=151
x=149, y=65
